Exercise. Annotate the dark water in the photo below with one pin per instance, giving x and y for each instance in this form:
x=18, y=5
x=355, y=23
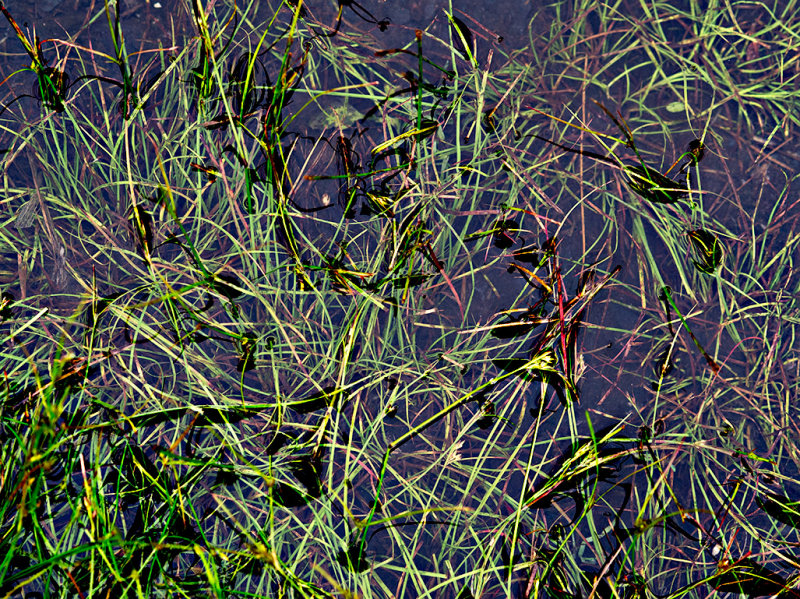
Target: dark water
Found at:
x=149, y=20
x=620, y=379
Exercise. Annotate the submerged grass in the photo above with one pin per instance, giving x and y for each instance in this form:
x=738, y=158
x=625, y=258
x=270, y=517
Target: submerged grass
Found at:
x=288, y=312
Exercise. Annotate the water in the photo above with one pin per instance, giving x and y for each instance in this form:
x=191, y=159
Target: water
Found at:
x=625, y=329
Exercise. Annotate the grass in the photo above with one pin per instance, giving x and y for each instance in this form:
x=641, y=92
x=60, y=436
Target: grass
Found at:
x=292, y=311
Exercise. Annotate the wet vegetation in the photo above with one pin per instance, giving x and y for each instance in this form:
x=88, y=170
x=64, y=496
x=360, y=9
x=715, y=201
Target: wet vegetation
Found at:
x=301, y=302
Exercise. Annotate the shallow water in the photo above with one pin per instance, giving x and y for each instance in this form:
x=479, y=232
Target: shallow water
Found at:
x=625, y=329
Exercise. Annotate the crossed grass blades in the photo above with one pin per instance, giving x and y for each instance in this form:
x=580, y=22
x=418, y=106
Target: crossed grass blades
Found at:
x=256, y=345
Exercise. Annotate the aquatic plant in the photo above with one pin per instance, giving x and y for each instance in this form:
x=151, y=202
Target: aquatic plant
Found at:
x=456, y=339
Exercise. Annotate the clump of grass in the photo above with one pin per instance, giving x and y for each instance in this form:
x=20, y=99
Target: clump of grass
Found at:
x=393, y=353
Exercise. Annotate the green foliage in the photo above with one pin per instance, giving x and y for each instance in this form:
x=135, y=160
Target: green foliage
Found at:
x=256, y=344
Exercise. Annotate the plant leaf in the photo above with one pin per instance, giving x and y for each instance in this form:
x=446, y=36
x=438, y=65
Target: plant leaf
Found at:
x=781, y=508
